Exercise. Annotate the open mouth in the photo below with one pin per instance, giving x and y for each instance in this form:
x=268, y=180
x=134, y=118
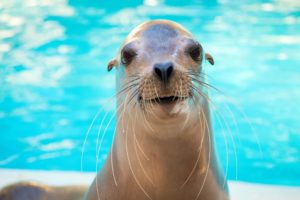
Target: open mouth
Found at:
x=164, y=100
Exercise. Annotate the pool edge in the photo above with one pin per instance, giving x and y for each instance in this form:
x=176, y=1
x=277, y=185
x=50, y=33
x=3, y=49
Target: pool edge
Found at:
x=238, y=190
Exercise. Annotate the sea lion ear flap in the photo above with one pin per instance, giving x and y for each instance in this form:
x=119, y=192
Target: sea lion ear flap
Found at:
x=112, y=64
x=209, y=58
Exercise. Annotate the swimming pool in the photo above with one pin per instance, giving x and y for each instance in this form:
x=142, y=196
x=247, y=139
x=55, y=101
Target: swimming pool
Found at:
x=53, y=78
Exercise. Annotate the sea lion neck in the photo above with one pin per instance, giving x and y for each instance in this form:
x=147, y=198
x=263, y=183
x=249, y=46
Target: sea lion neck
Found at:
x=165, y=163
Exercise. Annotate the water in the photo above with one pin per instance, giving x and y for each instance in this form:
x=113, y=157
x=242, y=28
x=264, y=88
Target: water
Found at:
x=53, y=78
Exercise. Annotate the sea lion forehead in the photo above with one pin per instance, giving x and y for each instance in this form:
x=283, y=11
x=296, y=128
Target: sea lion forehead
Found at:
x=158, y=29
x=160, y=32
x=160, y=38
x=157, y=36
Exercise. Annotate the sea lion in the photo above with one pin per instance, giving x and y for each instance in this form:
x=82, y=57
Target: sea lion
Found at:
x=163, y=147
x=37, y=191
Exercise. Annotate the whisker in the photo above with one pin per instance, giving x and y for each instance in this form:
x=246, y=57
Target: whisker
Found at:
x=98, y=150
x=226, y=149
x=199, y=154
x=208, y=86
x=230, y=133
x=209, y=154
x=111, y=154
x=129, y=162
x=200, y=75
x=135, y=149
x=98, y=147
x=89, y=129
x=86, y=137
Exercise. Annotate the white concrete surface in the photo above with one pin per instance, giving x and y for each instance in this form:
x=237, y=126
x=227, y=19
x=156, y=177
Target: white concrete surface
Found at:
x=238, y=190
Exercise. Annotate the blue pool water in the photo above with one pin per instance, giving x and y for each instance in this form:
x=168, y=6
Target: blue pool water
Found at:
x=53, y=80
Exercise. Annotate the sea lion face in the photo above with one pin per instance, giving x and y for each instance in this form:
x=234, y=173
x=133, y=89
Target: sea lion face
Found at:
x=162, y=62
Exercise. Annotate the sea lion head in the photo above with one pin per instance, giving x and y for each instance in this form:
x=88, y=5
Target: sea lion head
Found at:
x=159, y=72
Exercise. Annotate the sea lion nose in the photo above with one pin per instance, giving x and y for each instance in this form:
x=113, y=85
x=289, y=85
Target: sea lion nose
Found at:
x=163, y=71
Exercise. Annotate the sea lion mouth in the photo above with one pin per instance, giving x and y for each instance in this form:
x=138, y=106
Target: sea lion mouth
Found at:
x=163, y=100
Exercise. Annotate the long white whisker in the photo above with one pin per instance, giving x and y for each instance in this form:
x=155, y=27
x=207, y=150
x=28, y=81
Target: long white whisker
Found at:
x=100, y=144
x=198, y=157
x=233, y=143
x=86, y=137
x=241, y=111
x=209, y=152
x=226, y=149
x=129, y=162
x=139, y=160
x=97, y=156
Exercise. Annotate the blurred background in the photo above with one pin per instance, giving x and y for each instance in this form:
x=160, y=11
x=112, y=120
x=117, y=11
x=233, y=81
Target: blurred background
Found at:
x=53, y=80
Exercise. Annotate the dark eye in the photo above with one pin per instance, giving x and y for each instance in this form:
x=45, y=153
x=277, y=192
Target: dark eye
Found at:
x=127, y=56
x=195, y=52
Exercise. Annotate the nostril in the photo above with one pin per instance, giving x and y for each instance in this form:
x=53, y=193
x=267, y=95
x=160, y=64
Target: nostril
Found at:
x=158, y=72
x=169, y=71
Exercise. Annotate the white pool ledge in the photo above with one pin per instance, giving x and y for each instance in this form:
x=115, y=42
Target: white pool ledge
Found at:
x=238, y=190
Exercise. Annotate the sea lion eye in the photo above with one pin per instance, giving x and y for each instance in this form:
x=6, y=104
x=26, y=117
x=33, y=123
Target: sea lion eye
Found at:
x=195, y=52
x=128, y=55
